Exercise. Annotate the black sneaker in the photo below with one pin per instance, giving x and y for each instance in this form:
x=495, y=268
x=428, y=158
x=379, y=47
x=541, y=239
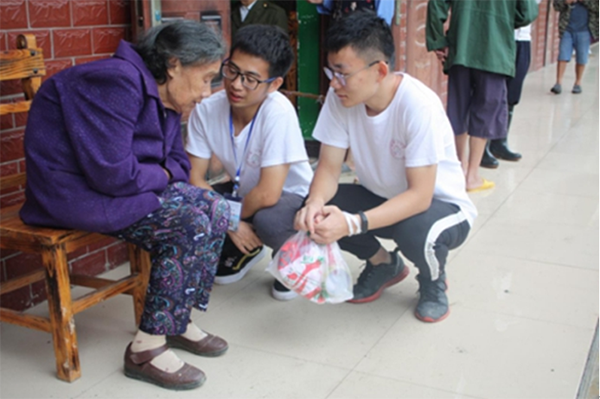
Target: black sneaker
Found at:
x=374, y=279
x=433, y=302
x=234, y=264
x=281, y=292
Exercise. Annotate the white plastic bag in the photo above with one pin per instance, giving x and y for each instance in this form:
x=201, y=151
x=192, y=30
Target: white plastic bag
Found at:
x=314, y=271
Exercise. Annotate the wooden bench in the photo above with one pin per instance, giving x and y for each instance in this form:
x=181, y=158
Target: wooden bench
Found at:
x=54, y=245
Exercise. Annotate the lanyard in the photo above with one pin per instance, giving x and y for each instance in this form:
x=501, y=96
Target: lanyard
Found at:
x=236, y=184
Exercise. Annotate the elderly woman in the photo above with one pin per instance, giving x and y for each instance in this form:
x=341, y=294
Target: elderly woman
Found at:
x=104, y=153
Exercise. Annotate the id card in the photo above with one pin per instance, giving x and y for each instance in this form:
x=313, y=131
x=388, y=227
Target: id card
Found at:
x=235, y=206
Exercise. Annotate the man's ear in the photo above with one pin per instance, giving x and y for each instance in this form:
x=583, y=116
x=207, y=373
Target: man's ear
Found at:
x=276, y=84
x=383, y=68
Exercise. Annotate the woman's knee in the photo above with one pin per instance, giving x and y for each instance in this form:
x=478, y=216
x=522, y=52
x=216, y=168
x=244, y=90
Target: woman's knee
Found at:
x=220, y=213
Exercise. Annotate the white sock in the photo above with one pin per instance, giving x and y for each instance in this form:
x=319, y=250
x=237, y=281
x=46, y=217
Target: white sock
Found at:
x=193, y=332
x=166, y=361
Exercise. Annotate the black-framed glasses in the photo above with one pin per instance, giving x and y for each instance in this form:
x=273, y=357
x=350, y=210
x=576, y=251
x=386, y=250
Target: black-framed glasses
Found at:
x=230, y=72
x=343, y=77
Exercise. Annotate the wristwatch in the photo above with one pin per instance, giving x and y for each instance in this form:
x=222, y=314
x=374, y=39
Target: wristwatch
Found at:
x=364, y=222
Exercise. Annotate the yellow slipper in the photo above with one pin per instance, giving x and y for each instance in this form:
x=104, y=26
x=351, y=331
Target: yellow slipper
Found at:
x=484, y=186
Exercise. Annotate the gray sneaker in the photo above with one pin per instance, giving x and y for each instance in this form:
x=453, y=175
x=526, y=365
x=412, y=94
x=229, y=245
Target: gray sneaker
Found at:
x=556, y=89
x=433, y=302
x=374, y=279
x=576, y=89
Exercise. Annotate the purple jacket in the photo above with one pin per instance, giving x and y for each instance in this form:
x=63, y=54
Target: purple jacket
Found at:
x=96, y=140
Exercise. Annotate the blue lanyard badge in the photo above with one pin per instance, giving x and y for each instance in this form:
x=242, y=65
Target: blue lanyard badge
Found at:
x=235, y=202
x=236, y=180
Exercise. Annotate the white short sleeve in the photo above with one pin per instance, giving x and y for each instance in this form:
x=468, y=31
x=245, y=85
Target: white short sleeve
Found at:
x=197, y=143
x=331, y=127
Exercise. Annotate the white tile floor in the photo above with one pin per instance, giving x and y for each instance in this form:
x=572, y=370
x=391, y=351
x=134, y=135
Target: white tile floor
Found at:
x=523, y=290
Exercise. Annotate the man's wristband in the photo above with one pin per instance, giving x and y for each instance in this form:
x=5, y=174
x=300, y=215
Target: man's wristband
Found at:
x=364, y=222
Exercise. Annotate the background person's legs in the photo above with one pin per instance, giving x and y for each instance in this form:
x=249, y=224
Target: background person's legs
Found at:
x=499, y=147
x=461, y=142
x=477, y=146
x=458, y=108
x=565, y=50
x=582, y=47
x=488, y=119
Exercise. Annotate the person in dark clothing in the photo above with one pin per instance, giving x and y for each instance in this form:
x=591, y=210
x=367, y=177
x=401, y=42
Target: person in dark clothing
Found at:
x=478, y=54
x=498, y=148
x=249, y=12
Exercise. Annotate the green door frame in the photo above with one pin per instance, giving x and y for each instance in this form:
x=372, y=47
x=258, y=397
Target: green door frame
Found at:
x=309, y=42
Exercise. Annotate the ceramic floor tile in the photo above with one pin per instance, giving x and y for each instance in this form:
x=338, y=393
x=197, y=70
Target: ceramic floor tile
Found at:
x=483, y=354
x=524, y=206
x=359, y=386
x=579, y=141
x=336, y=335
x=103, y=332
x=528, y=289
x=507, y=179
x=543, y=242
x=559, y=161
x=240, y=373
x=559, y=182
x=536, y=139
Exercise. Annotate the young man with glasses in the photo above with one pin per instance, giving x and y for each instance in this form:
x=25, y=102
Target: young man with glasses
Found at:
x=254, y=131
x=412, y=189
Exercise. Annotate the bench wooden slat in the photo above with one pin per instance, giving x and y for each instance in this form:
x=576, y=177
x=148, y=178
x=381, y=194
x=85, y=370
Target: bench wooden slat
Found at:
x=12, y=108
x=21, y=64
x=25, y=320
x=18, y=179
x=118, y=287
x=22, y=281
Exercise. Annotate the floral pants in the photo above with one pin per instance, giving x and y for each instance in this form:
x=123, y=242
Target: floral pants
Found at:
x=184, y=238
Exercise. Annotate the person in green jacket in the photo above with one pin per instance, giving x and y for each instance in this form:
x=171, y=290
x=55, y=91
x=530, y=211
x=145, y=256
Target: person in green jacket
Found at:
x=250, y=12
x=478, y=52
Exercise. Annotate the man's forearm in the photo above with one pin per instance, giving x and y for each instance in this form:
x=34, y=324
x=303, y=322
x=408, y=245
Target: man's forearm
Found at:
x=323, y=187
x=256, y=200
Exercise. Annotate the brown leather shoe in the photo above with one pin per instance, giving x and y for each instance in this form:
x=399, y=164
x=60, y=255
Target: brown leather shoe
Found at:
x=210, y=346
x=137, y=366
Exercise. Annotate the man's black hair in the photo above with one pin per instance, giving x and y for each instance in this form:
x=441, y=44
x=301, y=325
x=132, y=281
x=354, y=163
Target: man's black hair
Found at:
x=365, y=33
x=268, y=42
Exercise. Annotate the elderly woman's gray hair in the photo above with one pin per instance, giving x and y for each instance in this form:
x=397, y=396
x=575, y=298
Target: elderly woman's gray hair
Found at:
x=188, y=41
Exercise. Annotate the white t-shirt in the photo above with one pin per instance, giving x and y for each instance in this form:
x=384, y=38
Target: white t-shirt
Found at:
x=523, y=34
x=413, y=131
x=244, y=10
x=276, y=139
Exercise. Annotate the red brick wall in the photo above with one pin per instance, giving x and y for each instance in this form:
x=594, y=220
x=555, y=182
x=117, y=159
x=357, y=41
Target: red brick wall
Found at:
x=70, y=32
x=544, y=37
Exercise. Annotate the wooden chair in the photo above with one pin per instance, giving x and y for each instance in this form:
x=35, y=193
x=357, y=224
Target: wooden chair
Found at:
x=54, y=245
